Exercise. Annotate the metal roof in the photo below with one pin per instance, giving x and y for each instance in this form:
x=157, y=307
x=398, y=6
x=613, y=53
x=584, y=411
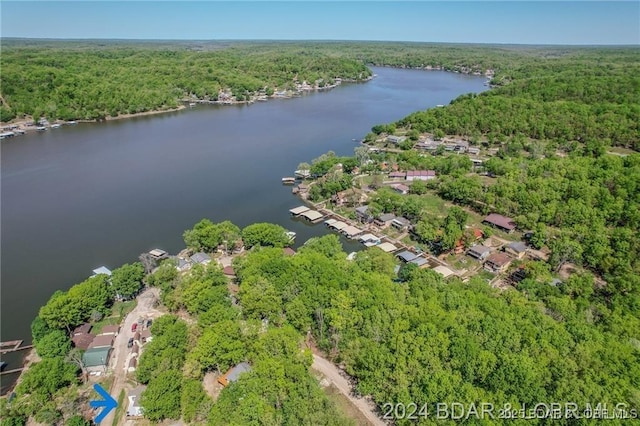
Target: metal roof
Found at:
x=339, y=225
x=102, y=270
x=312, y=215
x=351, y=231
x=94, y=357
x=299, y=210
x=443, y=270
x=407, y=256
x=387, y=247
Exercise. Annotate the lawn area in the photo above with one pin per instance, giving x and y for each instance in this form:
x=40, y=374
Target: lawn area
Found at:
x=486, y=275
x=119, y=310
x=435, y=205
x=345, y=407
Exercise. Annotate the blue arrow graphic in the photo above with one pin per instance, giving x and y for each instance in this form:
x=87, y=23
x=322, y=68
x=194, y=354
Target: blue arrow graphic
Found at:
x=108, y=403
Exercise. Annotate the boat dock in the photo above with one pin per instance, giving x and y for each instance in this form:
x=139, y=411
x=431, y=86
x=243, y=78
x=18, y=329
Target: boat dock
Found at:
x=364, y=233
x=13, y=346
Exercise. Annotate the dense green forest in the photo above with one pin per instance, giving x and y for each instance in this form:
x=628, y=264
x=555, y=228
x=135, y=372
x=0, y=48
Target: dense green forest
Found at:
x=92, y=81
x=421, y=339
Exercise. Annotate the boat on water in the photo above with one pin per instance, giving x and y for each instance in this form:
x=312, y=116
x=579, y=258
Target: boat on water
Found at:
x=41, y=128
x=288, y=180
x=55, y=126
x=72, y=122
x=291, y=235
x=192, y=104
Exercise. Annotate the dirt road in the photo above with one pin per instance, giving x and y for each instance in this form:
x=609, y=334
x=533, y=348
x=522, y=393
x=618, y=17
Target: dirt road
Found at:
x=146, y=309
x=334, y=375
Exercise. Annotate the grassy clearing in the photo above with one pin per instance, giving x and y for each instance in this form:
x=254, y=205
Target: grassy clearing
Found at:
x=345, y=407
x=119, y=310
x=119, y=409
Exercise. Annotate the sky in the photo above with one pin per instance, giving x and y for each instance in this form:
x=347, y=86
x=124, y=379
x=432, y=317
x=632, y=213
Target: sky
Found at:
x=511, y=22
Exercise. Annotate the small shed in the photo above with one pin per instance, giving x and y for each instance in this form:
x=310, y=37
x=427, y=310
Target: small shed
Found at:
x=402, y=189
x=288, y=251
x=234, y=373
x=134, y=408
x=228, y=271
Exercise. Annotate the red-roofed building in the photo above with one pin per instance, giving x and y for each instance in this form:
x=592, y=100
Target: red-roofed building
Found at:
x=228, y=271
x=396, y=175
x=501, y=222
x=82, y=340
x=420, y=175
x=288, y=251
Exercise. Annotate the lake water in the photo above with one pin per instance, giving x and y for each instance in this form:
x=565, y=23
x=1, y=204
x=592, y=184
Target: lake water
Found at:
x=83, y=196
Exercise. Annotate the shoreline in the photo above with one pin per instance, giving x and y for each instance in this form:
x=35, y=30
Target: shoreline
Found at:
x=25, y=125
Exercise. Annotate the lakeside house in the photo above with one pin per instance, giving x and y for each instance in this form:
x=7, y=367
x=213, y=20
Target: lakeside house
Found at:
x=396, y=139
x=362, y=213
x=479, y=252
x=234, y=373
x=473, y=151
x=182, y=264
x=201, y=258
x=81, y=338
x=517, y=249
x=401, y=223
x=503, y=223
x=384, y=220
x=497, y=262
x=420, y=175
x=288, y=251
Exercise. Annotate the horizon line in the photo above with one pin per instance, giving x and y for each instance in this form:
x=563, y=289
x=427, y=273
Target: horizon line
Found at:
x=315, y=41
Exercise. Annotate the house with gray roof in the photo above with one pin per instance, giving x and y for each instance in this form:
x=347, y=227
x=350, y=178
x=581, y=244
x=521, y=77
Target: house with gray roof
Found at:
x=234, y=373
x=479, y=252
x=201, y=258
